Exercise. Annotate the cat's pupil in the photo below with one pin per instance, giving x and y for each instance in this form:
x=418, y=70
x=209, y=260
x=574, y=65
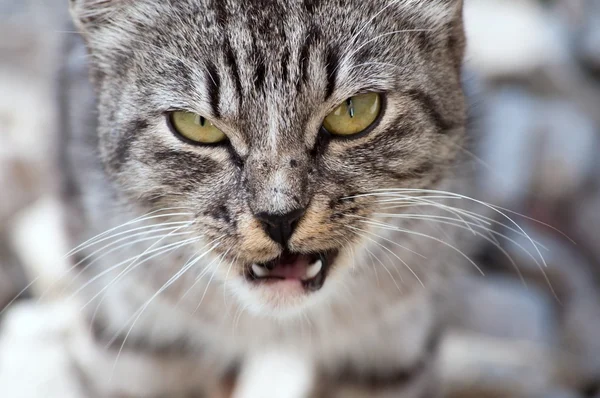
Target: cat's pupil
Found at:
x=350, y=106
x=200, y=120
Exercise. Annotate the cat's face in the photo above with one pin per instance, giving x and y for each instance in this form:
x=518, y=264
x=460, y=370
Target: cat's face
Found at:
x=280, y=192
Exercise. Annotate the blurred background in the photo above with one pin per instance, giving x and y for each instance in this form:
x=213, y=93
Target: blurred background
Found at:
x=535, y=69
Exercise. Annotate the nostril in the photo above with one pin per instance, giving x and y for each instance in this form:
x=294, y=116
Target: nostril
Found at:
x=280, y=227
x=277, y=218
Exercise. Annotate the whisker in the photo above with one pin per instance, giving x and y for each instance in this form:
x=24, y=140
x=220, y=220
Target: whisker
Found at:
x=442, y=206
x=155, y=253
x=145, y=306
x=474, y=216
x=112, y=250
x=146, y=217
x=238, y=316
x=537, y=222
x=494, y=242
x=103, y=255
x=93, y=241
x=372, y=255
x=131, y=231
x=18, y=295
x=396, y=244
x=398, y=229
x=204, y=271
x=206, y=289
x=133, y=262
x=187, y=266
x=473, y=224
x=366, y=24
x=158, y=252
x=469, y=225
x=418, y=199
x=383, y=247
x=485, y=204
x=491, y=169
x=231, y=263
x=225, y=283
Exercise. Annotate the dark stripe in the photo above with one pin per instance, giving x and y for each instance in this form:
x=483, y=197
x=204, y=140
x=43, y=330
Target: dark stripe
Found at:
x=425, y=42
x=456, y=44
x=122, y=61
x=285, y=60
x=311, y=5
x=429, y=106
x=332, y=67
x=221, y=14
x=259, y=74
x=132, y=130
x=417, y=172
x=181, y=71
x=392, y=377
x=112, y=340
x=213, y=82
x=197, y=169
x=222, y=213
x=321, y=145
x=235, y=157
x=365, y=54
x=375, y=380
x=233, y=66
x=229, y=380
x=304, y=58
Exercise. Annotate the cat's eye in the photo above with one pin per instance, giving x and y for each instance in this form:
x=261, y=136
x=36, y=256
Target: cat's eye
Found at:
x=196, y=128
x=354, y=115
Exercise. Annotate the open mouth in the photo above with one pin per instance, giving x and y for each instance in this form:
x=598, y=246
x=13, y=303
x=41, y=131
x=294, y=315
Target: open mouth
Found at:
x=308, y=269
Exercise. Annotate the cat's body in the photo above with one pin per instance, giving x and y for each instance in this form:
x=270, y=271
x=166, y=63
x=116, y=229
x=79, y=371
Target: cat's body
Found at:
x=269, y=71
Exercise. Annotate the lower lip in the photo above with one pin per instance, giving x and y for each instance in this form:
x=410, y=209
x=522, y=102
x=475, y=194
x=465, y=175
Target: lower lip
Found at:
x=283, y=286
x=290, y=285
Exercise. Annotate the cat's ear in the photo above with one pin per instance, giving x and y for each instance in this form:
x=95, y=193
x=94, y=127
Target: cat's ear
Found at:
x=447, y=18
x=440, y=12
x=88, y=14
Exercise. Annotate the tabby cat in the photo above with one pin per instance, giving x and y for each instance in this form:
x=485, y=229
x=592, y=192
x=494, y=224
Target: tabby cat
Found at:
x=255, y=185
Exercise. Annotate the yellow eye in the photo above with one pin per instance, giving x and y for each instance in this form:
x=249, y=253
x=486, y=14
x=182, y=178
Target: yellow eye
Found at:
x=354, y=116
x=196, y=128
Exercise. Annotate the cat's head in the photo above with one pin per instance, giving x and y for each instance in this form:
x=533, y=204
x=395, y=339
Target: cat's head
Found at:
x=270, y=120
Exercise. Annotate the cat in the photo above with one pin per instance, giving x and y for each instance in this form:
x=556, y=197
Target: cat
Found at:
x=254, y=184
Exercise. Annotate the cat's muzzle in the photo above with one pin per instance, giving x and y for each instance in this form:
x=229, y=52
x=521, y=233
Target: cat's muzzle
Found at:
x=310, y=270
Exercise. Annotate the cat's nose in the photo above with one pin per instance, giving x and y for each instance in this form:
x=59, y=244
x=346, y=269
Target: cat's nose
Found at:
x=280, y=227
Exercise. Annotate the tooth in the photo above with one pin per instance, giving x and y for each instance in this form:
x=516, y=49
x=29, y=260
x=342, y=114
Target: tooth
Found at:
x=314, y=269
x=259, y=271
